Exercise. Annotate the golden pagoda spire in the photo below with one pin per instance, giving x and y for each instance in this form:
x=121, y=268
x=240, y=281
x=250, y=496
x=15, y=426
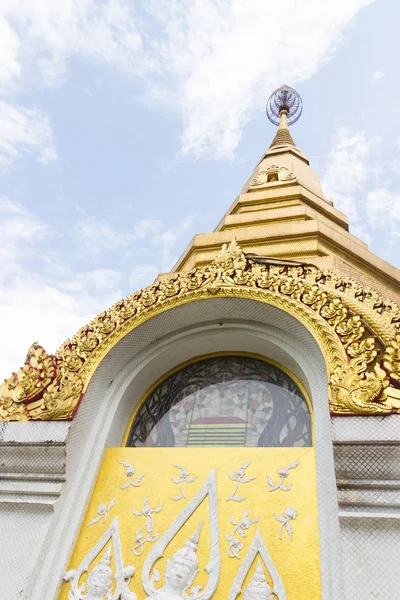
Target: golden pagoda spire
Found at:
x=283, y=136
x=284, y=107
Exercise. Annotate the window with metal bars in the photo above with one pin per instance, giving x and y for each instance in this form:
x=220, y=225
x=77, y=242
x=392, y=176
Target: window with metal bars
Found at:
x=224, y=401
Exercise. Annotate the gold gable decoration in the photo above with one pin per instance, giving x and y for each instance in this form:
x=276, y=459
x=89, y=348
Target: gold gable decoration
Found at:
x=357, y=330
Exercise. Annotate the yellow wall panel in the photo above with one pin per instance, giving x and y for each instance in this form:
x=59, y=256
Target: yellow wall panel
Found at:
x=295, y=557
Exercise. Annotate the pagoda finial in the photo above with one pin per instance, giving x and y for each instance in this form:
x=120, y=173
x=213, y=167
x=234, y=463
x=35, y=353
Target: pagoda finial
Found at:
x=284, y=108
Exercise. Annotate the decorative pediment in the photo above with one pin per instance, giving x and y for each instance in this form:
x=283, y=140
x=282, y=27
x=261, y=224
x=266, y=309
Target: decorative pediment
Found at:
x=271, y=175
x=357, y=329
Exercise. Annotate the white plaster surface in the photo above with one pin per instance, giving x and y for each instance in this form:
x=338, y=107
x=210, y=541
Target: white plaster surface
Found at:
x=367, y=463
x=22, y=530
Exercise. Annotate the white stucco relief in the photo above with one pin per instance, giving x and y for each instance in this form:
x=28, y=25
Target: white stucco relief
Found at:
x=182, y=568
x=183, y=477
x=283, y=474
x=150, y=536
x=289, y=514
x=240, y=528
x=100, y=577
x=239, y=477
x=258, y=588
x=129, y=472
x=102, y=511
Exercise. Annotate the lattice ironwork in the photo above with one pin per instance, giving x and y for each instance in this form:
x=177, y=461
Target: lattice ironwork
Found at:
x=224, y=401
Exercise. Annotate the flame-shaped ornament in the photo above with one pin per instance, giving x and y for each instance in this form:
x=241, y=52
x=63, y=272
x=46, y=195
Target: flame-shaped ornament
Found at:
x=258, y=588
x=182, y=568
x=100, y=577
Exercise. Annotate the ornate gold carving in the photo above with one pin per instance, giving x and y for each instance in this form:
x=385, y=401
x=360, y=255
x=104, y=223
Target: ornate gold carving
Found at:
x=358, y=391
x=270, y=175
x=391, y=359
x=27, y=385
x=12, y=411
x=355, y=327
x=36, y=374
x=60, y=399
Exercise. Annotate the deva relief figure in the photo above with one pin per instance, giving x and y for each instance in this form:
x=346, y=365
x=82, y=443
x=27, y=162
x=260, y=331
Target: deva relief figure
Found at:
x=99, y=583
x=258, y=588
x=180, y=572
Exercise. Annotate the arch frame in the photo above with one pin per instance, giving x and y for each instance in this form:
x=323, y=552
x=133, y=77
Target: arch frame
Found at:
x=357, y=330
x=101, y=421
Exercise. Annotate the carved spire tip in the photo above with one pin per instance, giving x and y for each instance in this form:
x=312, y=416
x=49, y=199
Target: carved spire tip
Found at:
x=284, y=104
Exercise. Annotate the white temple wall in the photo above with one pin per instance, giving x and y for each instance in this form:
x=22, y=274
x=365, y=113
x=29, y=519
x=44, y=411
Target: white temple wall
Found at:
x=367, y=464
x=123, y=377
x=32, y=474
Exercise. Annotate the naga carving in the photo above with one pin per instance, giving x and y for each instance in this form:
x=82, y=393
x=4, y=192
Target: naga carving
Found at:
x=357, y=329
x=391, y=360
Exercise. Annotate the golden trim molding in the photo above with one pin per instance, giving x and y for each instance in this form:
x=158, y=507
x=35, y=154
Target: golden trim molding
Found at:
x=357, y=330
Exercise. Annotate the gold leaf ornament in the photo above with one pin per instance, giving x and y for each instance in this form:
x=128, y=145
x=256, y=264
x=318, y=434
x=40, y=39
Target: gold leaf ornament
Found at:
x=391, y=359
x=60, y=400
x=358, y=391
x=12, y=411
x=355, y=327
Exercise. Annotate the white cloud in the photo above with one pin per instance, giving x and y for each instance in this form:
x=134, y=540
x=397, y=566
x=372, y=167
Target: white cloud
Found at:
x=361, y=232
x=146, y=227
x=19, y=231
x=166, y=241
x=376, y=76
x=97, y=282
x=9, y=45
x=51, y=300
x=54, y=32
x=142, y=275
x=347, y=170
x=95, y=236
x=212, y=62
x=32, y=308
x=37, y=38
x=35, y=307
x=359, y=185
x=222, y=62
x=383, y=209
x=24, y=131
x=49, y=307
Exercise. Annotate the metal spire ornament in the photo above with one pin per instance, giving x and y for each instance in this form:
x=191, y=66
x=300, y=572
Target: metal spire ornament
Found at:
x=284, y=99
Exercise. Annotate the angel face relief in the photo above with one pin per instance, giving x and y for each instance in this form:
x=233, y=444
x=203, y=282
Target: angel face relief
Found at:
x=104, y=581
x=259, y=588
x=179, y=574
x=180, y=571
x=98, y=586
x=100, y=579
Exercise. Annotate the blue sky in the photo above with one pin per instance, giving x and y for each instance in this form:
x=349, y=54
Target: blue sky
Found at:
x=127, y=127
